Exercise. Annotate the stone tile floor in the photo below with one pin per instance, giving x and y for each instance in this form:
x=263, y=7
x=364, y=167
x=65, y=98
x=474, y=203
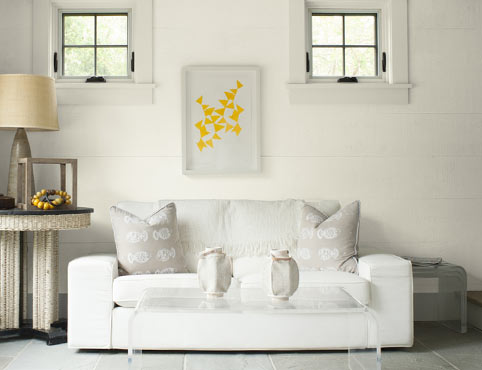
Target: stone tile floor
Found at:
x=436, y=347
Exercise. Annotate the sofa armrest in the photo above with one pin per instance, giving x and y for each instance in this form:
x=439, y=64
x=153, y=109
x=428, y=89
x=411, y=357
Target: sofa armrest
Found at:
x=391, y=286
x=90, y=304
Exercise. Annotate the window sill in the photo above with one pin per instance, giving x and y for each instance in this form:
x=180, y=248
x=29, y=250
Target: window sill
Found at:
x=110, y=93
x=348, y=93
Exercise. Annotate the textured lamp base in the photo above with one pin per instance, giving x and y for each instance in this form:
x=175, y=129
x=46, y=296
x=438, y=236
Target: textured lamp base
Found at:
x=20, y=149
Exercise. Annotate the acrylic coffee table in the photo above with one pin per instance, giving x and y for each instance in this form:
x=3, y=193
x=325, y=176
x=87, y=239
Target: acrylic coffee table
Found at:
x=151, y=325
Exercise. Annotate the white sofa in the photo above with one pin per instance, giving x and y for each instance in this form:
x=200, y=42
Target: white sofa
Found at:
x=100, y=301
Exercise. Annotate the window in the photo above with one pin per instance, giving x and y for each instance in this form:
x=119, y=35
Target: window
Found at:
x=344, y=44
x=329, y=39
x=95, y=44
x=110, y=31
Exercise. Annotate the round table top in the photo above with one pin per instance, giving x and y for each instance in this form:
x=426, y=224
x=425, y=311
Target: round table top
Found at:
x=39, y=220
x=41, y=212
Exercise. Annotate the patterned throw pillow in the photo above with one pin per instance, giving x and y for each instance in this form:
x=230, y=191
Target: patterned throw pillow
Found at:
x=329, y=243
x=149, y=246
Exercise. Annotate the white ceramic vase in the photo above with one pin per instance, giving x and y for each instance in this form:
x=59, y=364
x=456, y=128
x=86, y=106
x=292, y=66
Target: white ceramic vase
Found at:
x=282, y=275
x=214, y=272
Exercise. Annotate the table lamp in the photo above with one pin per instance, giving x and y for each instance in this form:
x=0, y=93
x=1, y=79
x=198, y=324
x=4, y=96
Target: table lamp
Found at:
x=27, y=102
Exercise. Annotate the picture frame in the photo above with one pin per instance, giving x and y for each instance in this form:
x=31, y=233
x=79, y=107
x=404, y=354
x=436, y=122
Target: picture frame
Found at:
x=220, y=120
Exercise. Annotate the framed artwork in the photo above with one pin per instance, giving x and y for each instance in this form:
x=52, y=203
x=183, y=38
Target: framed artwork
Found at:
x=221, y=116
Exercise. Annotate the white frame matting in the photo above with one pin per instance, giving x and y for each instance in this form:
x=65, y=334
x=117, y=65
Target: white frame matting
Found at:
x=234, y=149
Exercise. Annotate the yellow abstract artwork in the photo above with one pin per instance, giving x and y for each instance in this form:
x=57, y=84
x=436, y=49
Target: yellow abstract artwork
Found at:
x=219, y=120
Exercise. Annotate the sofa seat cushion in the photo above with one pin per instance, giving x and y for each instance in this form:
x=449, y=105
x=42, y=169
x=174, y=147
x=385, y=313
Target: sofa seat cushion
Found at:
x=128, y=289
x=355, y=285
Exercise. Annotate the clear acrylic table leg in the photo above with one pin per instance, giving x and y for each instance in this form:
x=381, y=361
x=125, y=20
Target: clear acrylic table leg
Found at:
x=134, y=355
x=369, y=358
x=364, y=359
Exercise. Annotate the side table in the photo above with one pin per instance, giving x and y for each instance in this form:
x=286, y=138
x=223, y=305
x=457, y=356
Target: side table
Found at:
x=13, y=253
x=449, y=296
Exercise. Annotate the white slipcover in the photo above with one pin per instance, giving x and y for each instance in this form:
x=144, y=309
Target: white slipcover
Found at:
x=246, y=230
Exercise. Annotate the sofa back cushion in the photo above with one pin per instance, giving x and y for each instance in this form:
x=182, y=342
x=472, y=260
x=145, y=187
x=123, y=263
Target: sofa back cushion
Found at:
x=242, y=227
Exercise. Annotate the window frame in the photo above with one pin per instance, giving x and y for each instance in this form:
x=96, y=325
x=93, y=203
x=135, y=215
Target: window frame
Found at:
x=393, y=88
x=139, y=90
x=92, y=12
x=377, y=13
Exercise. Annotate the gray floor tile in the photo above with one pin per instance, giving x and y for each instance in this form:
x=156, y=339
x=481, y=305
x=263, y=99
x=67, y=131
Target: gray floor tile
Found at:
x=412, y=360
x=150, y=360
x=38, y=356
x=10, y=347
x=311, y=361
x=440, y=338
x=462, y=350
x=417, y=357
x=465, y=361
x=469, y=343
x=4, y=361
x=230, y=361
x=436, y=347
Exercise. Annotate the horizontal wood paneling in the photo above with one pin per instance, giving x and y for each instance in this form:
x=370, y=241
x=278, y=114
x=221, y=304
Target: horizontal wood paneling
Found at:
x=417, y=169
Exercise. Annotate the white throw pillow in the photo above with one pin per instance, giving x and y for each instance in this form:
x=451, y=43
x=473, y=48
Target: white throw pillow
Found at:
x=150, y=245
x=329, y=243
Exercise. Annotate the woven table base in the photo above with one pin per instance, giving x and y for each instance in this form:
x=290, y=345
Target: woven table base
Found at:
x=14, y=225
x=45, y=278
x=9, y=279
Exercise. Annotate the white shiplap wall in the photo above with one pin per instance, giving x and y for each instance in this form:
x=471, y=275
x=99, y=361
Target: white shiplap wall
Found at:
x=417, y=169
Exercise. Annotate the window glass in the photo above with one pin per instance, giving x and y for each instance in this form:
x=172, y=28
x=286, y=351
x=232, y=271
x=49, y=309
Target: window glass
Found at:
x=79, y=30
x=328, y=61
x=327, y=30
x=111, y=61
x=95, y=45
x=360, y=61
x=112, y=30
x=79, y=62
x=344, y=44
x=360, y=30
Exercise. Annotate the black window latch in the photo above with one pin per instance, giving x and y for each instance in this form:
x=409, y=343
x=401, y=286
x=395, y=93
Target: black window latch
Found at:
x=96, y=79
x=56, y=63
x=307, y=62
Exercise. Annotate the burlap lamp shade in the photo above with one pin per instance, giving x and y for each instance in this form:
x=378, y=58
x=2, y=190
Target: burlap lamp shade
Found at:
x=26, y=102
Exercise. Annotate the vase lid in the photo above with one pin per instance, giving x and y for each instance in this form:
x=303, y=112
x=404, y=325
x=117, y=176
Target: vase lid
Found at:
x=280, y=254
x=211, y=250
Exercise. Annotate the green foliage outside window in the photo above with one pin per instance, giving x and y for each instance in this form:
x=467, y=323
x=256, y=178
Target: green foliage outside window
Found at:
x=344, y=45
x=95, y=44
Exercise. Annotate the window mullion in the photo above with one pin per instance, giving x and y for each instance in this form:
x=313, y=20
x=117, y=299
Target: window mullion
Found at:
x=95, y=45
x=63, y=45
x=377, y=71
x=344, y=68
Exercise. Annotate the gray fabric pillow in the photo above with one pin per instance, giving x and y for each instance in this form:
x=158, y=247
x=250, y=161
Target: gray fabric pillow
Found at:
x=329, y=243
x=149, y=246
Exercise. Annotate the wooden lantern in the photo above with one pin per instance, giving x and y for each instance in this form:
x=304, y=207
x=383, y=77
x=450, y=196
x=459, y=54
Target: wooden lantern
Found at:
x=25, y=175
